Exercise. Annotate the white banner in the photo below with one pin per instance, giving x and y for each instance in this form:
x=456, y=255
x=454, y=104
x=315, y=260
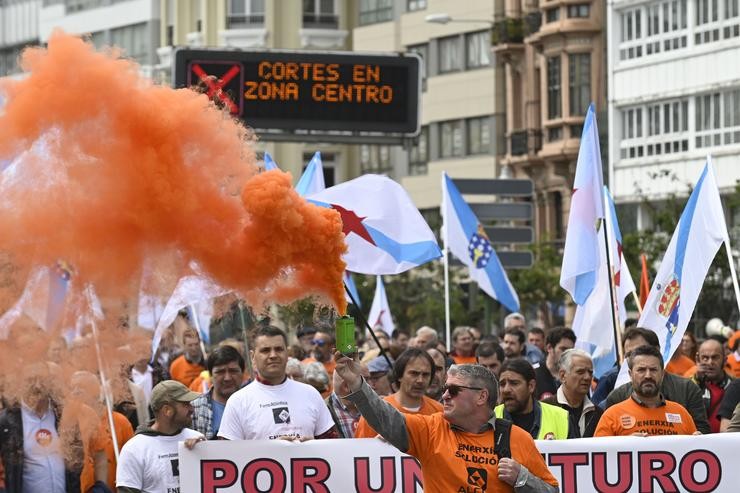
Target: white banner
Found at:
x=616, y=465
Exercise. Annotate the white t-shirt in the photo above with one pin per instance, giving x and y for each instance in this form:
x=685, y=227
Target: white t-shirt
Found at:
x=150, y=463
x=291, y=409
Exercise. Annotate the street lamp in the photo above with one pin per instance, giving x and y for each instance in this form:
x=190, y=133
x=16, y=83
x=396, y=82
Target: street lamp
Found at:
x=445, y=18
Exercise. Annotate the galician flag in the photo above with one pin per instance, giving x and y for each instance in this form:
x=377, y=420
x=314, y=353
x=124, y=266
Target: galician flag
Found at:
x=349, y=283
x=269, y=162
x=593, y=323
x=581, y=259
x=467, y=240
x=385, y=233
x=700, y=232
x=312, y=179
x=380, y=312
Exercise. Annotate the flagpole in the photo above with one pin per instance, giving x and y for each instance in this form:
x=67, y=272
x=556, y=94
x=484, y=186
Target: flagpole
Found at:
x=446, y=261
x=247, y=359
x=728, y=249
x=103, y=380
x=615, y=325
x=196, y=322
x=367, y=324
x=637, y=302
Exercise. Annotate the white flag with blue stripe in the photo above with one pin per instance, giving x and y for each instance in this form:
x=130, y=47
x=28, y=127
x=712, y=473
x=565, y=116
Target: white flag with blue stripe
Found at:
x=312, y=179
x=269, y=162
x=467, y=240
x=380, y=311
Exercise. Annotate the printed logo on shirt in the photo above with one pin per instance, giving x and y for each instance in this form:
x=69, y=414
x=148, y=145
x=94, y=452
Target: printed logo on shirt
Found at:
x=281, y=415
x=478, y=477
x=673, y=417
x=43, y=437
x=175, y=465
x=627, y=421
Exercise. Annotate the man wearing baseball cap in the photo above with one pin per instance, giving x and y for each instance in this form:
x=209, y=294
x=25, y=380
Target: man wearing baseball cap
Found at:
x=149, y=461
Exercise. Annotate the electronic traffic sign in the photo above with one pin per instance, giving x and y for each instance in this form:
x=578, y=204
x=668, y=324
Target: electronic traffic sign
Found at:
x=291, y=90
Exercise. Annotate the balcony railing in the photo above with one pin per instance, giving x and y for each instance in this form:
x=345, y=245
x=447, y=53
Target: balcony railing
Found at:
x=523, y=142
x=514, y=30
x=321, y=21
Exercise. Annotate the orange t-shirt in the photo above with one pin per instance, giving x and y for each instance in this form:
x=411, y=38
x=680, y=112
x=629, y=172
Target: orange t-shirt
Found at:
x=428, y=407
x=680, y=365
x=463, y=360
x=184, y=371
x=628, y=417
x=733, y=365
x=461, y=461
x=124, y=432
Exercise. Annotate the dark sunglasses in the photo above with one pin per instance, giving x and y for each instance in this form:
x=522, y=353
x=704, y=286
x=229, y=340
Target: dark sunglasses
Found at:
x=318, y=342
x=456, y=389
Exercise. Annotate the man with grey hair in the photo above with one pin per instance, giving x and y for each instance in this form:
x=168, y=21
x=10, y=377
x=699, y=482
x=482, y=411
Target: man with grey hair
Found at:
x=575, y=371
x=455, y=447
x=514, y=339
x=425, y=337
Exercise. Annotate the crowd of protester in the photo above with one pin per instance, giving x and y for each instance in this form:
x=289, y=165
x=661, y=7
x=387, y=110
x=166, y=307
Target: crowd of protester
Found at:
x=543, y=385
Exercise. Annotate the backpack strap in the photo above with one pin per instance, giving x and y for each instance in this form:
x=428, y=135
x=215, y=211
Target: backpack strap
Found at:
x=502, y=438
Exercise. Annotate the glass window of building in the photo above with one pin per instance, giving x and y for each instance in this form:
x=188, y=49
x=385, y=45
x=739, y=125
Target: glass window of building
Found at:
x=375, y=159
x=478, y=47
x=579, y=83
x=419, y=154
x=450, y=54
x=451, y=141
x=580, y=10
x=552, y=15
x=413, y=5
x=374, y=11
x=79, y=5
x=554, y=104
x=320, y=14
x=245, y=13
x=479, y=135
x=717, y=117
x=134, y=40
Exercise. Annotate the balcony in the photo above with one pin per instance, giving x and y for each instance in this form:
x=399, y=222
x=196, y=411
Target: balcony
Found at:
x=523, y=142
x=320, y=21
x=513, y=30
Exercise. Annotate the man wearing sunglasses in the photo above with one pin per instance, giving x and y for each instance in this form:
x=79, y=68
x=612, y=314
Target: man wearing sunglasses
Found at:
x=464, y=448
x=323, y=344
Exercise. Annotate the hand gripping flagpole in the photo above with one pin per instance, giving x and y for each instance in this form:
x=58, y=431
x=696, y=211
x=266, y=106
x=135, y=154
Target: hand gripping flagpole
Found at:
x=106, y=388
x=367, y=324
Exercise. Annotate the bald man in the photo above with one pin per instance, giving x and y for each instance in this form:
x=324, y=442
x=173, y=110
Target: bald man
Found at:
x=712, y=379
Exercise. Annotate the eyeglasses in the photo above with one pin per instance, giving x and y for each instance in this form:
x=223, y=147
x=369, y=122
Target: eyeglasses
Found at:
x=318, y=342
x=456, y=389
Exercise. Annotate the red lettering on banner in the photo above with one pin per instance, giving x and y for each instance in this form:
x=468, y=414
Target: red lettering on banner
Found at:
x=272, y=468
x=410, y=474
x=300, y=478
x=387, y=475
x=714, y=471
x=568, y=463
x=216, y=474
x=662, y=473
x=624, y=473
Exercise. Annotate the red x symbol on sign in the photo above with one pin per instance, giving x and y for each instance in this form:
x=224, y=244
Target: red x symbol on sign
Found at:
x=215, y=85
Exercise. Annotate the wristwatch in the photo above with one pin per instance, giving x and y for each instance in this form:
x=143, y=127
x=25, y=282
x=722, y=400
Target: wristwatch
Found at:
x=521, y=479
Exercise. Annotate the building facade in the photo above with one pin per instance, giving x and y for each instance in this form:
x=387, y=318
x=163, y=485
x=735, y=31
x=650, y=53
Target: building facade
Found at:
x=552, y=54
x=675, y=98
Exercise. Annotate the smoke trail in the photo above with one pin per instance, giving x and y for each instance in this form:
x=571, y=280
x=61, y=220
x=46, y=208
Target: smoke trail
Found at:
x=109, y=169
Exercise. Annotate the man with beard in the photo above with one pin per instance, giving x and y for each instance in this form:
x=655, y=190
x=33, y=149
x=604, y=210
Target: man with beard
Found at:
x=413, y=373
x=149, y=461
x=645, y=412
x=576, y=370
x=226, y=367
x=543, y=421
x=436, y=389
x=463, y=349
x=323, y=345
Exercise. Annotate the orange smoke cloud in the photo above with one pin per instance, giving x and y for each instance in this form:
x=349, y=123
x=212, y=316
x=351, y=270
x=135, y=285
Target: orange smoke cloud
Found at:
x=111, y=170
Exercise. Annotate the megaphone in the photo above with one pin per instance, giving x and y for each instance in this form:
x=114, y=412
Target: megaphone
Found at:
x=715, y=327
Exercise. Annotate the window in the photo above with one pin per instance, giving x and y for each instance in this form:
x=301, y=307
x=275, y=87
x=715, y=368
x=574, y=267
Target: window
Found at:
x=655, y=129
x=375, y=159
x=9, y=59
x=374, y=11
x=581, y=10
x=717, y=118
x=554, y=134
x=579, y=83
x=665, y=29
x=554, y=108
x=450, y=54
x=245, y=13
x=479, y=135
x=478, y=45
x=451, y=139
x=552, y=15
x=413, y=5
x=716, y=19
x=134, y=40
x=319, y=14
x=98, y=39
x=72, y=6
x=419, y=154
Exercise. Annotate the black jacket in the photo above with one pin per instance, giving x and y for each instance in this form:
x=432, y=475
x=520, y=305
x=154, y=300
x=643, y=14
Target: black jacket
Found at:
x=11, y=451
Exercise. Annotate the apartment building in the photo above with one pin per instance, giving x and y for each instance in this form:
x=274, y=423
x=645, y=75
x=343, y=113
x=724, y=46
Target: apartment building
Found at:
x=552, y=53
x=674, y=98
x=19, y=27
